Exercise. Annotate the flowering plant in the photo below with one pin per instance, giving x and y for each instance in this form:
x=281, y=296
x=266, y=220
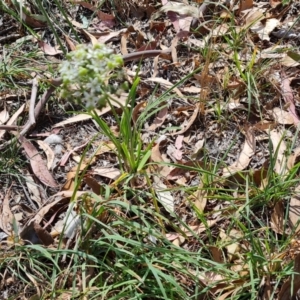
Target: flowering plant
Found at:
x=86, y=74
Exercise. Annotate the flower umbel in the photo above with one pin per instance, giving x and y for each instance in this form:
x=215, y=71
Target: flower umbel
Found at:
x=86, y=74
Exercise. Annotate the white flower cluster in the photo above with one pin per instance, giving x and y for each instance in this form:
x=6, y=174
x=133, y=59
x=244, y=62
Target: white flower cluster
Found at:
x=86, y=72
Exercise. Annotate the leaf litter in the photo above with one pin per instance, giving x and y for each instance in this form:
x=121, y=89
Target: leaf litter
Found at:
x=227, y=142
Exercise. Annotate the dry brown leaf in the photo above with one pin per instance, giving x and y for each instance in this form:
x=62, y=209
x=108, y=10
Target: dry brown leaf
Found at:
x=6, y=216
x=265, y=288
x=66, y=156
x=174, y=49
x=231, y=242
x=184, y=170
x=33, y=190
x=107, y=36
x=291, y=287
x=159, y=119
x=263, y=30
x=199, y=198
x=156, y=156
x=158, y=26
x=245, y=156
x=54, y=200
x=293, y=158
x=245, y=4
x=47, y=49
x=186, y=126
x=217, y=254
x=93, y=40
x=32, y=21
x=179, y=19
x=37, y=163
x=198, y=229
x=294, y=210
x=191, y=89
x=288, y=97
x=44, y=236
x=116, y=102
x=104, y=147
x=275, y=3
x=178, y=145
x=282, y=116
x=136, y=110
x=178, y=8
x=13, y=119
x=70, y=182
x=93, y=184
x=216, y=32
x=112, y=173
x=277, y=218
x=49, y=153
x=289, y=62
x=70, y=43
x=4, y=116
x=253, y=16
x=164, y=196
x=165, y=83
x=279, y=149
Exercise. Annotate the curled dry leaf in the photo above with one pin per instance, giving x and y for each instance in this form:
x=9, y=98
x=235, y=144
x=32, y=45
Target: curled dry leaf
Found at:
x=66, y=156
x=111, y=173
x=93, y=184
x=58, y=198
x=49, y=153
x=13, y=119
x=47, y=49
x=93, y=40
x=245, y=156
x=34, y=21
x=290, y=288
x=199, y=198
x=277, y=218
x=245, y=4
x=231, y=242
x=159, y=119
x=265, y=288
x=264, y=29
x=37, y=163
x=44, y=236
x=156, y=156
x=70, y=182
x=294, y=210
x=164, y=196
x=282, y=116
x=136, y=110
x=198, y=229
x=33, y=190
x=6, y=216
x=180, y=20
x=178, y=8
x=293, y=158
x=4, y=116
x=279, y=149
x=288, y=97
x=192, y=119
x=184, y=169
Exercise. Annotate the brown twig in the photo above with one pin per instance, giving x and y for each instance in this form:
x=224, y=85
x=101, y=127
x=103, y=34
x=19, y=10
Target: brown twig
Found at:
x=31, y=122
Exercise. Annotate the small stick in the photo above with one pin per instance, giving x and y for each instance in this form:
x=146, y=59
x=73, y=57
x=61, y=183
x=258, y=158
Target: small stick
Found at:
x=31, y=122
